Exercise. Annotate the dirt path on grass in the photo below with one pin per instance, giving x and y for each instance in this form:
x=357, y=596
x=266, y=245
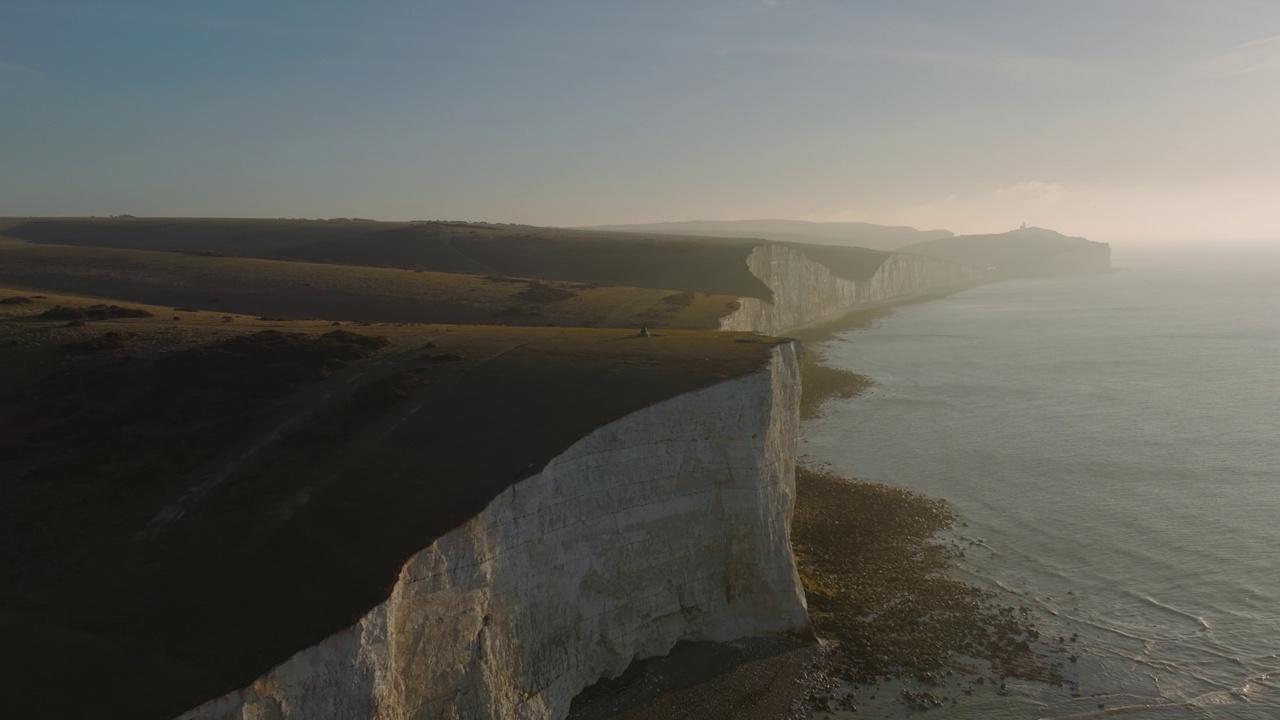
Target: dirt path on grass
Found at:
x=623, y=315
x=307, y=405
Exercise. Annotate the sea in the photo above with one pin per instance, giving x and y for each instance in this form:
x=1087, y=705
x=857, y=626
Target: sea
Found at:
x=1111, y=444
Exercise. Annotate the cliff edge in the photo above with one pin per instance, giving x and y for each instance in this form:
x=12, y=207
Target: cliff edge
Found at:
x=669, y=524
x=402, y=521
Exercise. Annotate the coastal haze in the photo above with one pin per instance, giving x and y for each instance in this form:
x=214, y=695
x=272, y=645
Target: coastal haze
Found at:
x=742, y=359
x=1110, y=441
x=1117, y=121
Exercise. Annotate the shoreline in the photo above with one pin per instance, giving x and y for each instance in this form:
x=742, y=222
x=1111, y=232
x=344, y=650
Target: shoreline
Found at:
x=969, y=642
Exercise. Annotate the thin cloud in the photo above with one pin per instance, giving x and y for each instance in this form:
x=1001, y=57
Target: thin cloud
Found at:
x=1009, y=65
x=1251, y=58
x=181, y=18
x=18, y=71
x=1030, y=191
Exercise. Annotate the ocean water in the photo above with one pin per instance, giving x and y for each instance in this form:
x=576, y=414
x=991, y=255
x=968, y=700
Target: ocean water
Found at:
x=1113, y=444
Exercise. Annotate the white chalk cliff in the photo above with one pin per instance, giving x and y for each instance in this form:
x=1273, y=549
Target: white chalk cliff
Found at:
x=671, y=523
x=806, y=292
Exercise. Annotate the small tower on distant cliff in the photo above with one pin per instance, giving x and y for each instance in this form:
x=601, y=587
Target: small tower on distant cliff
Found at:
x=1024, y=226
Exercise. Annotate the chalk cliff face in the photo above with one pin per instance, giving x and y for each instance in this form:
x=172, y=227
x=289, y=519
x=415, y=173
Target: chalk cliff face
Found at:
x=671, y=523
x=805, y=291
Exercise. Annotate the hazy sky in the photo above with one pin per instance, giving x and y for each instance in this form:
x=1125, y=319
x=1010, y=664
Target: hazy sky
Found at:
x=1115, y=119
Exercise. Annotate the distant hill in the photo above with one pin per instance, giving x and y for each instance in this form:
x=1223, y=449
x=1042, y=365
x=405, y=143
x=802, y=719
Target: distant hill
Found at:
x=686, y=263
x=855, y=234
x=1020, y=253
x=650, y=261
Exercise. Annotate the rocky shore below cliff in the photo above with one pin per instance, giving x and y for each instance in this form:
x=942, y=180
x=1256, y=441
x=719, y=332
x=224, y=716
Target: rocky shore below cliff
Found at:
x=879, y=571
x=890, y=614
x=765, y=678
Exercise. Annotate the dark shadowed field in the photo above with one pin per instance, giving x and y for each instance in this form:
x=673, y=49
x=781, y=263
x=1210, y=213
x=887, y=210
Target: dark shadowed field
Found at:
x=187, y=502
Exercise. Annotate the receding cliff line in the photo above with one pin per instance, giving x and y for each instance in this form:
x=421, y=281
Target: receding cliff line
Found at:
x=671, y=523
x=806, y=292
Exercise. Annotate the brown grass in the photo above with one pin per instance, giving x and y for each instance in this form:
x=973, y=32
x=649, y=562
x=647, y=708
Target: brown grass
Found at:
x=110, y=340
x=99, y=311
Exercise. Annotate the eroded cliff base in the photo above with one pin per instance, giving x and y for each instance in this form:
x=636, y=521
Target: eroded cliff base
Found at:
x=897, y=626
x=883, y=593
x=765, y=678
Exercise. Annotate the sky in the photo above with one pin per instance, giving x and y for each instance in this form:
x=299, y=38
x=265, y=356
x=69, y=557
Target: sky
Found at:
x=1118, y=120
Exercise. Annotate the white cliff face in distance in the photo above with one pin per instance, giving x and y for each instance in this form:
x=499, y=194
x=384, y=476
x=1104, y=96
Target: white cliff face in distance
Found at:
x=806, y=292
x=669, y=524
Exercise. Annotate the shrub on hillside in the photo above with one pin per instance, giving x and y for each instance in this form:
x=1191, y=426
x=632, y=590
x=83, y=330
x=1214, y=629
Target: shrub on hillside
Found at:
x=109, y=341
x=541, y=292
x=268, y=361
x=684, y=299
x=381, y=394
x=93, y=312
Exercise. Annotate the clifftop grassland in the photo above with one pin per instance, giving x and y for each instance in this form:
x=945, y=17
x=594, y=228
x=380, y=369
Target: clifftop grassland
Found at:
x=714, y=267
x=300, y=290
x=443, y=252
x=188, y=502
